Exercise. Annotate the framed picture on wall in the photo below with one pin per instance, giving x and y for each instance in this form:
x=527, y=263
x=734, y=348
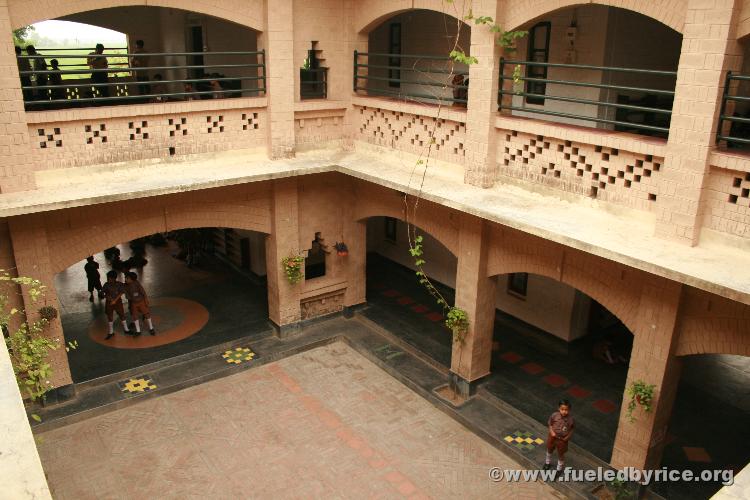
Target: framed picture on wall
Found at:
x=518, y=284
x=391, y=225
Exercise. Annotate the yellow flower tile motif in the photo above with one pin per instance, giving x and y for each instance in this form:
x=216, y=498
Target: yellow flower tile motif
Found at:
x=238, y=355
x=137, y=385
x=523, y=440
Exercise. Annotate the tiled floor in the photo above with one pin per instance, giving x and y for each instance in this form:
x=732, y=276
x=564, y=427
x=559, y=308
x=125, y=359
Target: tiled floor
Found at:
x=531, y=372
x=192, y=309
x=326, y=423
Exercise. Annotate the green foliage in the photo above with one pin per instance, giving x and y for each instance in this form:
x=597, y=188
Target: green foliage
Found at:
x=621, y=490
x=21, y=35
x=293, y=268
x=458, y=322
x=306, y=63
x=28, y=348
x=641, y=394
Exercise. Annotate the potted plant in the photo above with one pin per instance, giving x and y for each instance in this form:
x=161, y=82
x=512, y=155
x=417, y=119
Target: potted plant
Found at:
x=48, y=313
x=458, y=322
x=641, y=394
x=293, y=268
x=341, y=249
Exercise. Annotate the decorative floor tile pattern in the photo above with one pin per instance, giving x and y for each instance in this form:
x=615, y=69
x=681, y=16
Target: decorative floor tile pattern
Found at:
x=391, y=293
x=434, y=316
x=137, y=385
x=511, y=357
x=325, y=423
x=238, y=355
x=532, y=368
x=405, y=301
x=555, y=380
x=523, y=440
x=420, y=309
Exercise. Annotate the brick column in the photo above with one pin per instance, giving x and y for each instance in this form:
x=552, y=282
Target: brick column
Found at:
x=355, y=237
x=640, y=443
x=32, y=258
x=475, y=293
x=283, y=298
x=709, y=50
x=278, y=41
x=16, y=167
x=481, y=143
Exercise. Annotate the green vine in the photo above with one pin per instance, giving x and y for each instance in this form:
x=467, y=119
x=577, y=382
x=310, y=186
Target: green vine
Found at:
x=27, y=345
x=641, y=394
x=293, y=268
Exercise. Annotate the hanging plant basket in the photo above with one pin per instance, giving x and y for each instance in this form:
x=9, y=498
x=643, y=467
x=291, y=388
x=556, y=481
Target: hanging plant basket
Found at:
x=341, y=249
x=293, y=268
x=641, y=394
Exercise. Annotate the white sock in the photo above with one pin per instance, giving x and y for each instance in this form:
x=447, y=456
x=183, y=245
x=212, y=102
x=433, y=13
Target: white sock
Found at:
x=150, y=325
x=137, y=326
x=560, y=465
x=111, y=326
x=548, y=458
x=125, y=326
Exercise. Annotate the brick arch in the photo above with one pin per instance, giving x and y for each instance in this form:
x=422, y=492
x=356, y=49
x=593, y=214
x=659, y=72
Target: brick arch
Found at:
x=710, y=324
x=671, y=13
x=76, y=233
x=371, y=13
x=438, y=221
x=614, y=286
x=244, y=12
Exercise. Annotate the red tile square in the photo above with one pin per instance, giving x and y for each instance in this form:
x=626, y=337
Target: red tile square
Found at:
x=434, y=316
x=511, y=357
x=419, y=308
x=391, y=293
x=579, y=392
x=532, y=368
x=555, y=380
x=604, y=405
x=405, y=301
x=696, y=454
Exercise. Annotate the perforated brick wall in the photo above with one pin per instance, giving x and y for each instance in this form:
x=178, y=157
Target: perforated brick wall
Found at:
x=727, y=202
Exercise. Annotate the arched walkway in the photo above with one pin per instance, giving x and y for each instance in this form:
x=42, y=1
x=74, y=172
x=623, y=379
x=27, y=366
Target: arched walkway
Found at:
x=371, y=13
x=244, y=12
x=669, y=12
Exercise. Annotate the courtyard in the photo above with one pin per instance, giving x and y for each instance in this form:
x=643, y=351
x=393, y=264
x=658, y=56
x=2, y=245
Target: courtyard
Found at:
x=326, y=423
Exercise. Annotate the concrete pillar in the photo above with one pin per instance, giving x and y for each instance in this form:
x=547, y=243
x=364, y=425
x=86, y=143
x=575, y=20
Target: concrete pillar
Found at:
x=283, y=297
x=709, y=50
x=355, y=237
x=640, y=444
x=16, y=166
x=475, y=293
x=481, y=142
x=278, y=40
x=32, y=258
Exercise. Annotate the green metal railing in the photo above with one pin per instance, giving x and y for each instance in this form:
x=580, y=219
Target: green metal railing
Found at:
x=738, y=135
x=642, y=110
x=313, y=83
x=198, y=83
x=382, y=76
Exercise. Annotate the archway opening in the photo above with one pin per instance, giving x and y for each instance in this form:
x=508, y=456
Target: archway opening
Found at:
x=205, y=288
x=408, y=58
x=705, y=431
x=583, y=66
x=396, y=300
x=552, y=342
x=148, y=55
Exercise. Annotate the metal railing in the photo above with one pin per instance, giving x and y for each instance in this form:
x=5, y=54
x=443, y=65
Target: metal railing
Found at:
x=313, y=83
x=385, y=79
x=50, y=88
x=638, y=109
x=738, y=135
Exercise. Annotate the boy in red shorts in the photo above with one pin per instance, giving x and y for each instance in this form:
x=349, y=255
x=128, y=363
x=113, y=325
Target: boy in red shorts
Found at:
x=113, y=291
x=138, y=302
x=561, y=426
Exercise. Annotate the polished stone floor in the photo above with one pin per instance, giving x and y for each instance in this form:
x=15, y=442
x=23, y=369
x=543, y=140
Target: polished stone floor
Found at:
x=192, y=309
x=326, y=423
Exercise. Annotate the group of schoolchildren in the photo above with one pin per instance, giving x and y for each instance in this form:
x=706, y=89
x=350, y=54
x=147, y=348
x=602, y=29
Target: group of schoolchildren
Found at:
x=113, y=291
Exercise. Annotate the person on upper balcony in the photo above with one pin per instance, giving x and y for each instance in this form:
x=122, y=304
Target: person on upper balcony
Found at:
x=140, y=60
x=98, y=61
x=24, y=65
x=38, y=64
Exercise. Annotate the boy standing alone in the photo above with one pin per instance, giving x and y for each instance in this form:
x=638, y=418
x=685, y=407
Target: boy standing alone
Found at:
x=113, y=292
x=138, y=302
x=93, y=277
x=561, y=426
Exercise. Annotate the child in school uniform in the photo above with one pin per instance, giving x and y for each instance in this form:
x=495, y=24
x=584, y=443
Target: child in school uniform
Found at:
x=561, y=425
